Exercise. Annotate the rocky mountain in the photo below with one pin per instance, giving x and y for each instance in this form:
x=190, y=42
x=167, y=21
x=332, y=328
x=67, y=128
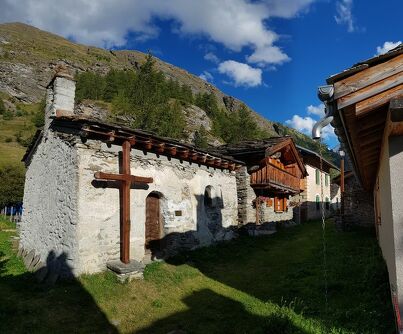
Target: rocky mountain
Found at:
x=29, y=55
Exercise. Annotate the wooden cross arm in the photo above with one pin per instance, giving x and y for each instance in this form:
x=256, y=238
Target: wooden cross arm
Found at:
x=123, y=177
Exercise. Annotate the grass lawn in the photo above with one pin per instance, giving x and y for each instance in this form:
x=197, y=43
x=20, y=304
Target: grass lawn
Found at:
x=271, y=284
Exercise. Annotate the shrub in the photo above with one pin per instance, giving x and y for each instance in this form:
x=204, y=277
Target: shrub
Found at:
x=2, y=107
x=12, y=179
x=8, y=115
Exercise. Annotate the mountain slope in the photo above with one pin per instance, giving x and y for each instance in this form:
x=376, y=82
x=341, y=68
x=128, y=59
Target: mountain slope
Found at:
x=28, y=56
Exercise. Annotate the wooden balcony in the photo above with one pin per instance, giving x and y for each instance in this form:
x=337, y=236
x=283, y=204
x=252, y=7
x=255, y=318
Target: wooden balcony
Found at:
x=276, y=179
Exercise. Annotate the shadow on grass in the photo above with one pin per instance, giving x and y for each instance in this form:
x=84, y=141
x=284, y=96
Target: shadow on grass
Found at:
x=288, y=270
x=30, y=307
x=209, y=312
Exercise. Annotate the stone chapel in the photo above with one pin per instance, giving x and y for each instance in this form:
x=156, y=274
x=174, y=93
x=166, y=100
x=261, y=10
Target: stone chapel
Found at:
x=100, y=195
x=97, y=192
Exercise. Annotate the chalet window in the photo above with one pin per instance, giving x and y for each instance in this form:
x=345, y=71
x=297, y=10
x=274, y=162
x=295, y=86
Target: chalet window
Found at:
x=327, y=203
x=317, y=202
x=317, y=174
x=326, y=180
x=280, y=204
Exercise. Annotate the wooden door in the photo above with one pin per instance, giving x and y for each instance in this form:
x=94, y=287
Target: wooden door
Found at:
x=153, y=222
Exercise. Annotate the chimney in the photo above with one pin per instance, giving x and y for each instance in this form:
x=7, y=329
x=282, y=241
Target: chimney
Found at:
x=60, y=96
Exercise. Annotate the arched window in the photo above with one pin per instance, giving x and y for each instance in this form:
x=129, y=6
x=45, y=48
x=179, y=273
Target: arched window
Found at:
x=317, y=202
x=209, y=197
x=327, y=203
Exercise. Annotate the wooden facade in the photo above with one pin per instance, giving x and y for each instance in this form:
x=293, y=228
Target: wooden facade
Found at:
x=273, y=174
x=274, y=165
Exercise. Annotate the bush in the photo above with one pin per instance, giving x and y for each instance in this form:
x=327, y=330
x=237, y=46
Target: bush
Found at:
x=19, y=113
x=12, y=178
x=9, y=140
x=2, y=107
x=38, y=118
x=8, y=115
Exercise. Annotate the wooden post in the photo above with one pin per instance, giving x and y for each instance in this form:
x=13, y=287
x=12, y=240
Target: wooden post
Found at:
x=342, y=185
x=126, y=180
x=125, y=209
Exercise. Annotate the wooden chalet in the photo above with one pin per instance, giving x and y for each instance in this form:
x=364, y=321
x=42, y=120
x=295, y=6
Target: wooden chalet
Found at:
x=368, y=119
x=274, y=164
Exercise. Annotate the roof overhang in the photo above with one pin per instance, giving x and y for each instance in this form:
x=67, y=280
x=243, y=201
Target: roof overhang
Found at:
x=114, y=134
x=362, y=100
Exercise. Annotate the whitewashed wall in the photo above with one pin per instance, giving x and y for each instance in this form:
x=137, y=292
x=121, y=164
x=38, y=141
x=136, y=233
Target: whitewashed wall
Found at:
x=181, y=185
x=313, y=190
x=50, y=202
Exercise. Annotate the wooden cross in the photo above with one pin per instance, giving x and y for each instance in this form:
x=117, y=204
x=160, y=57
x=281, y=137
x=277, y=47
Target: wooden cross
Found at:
x=126, y=180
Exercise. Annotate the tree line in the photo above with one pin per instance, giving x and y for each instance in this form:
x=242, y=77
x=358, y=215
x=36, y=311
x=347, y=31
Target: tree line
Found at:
x=148, y=100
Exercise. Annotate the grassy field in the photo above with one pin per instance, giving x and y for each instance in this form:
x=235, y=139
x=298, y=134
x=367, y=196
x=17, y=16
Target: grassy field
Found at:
x=272, y=284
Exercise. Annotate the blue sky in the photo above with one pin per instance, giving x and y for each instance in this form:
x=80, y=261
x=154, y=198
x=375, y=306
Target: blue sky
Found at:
x=272, y=54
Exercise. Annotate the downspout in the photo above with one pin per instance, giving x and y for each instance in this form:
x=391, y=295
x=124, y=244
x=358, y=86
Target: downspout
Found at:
x=325, y=94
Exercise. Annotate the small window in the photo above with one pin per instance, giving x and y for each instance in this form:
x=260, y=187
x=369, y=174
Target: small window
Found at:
x=317, y=202
x=326, y=180
x=327, y=203
x=208, y=197
x=280, y=204
x=317, y=175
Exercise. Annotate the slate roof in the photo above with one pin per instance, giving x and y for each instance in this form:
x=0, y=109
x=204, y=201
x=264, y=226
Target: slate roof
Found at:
x=362, y=65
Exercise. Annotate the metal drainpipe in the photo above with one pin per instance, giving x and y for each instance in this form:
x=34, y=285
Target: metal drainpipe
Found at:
x=325, y=94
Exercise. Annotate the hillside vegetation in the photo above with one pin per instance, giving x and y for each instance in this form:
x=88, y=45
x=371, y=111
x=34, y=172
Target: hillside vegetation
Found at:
x=147, y=100
x=128, y=86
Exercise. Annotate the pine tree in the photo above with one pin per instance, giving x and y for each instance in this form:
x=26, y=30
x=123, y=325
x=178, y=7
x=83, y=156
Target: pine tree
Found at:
x=246, y=127
x=200, y=138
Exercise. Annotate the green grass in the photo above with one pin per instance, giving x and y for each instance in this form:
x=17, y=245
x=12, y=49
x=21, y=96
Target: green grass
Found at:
x=270, y=284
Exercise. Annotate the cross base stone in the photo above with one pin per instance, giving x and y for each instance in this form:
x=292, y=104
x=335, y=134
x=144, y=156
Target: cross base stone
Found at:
x=126, y=272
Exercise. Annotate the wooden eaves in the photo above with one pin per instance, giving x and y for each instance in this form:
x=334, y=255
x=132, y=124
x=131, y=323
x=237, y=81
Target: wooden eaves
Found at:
x=116, y=134
x=362, y=100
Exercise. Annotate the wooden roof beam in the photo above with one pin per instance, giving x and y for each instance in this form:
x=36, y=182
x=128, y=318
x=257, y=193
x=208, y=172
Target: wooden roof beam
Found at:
x=395, y=117
x=368, y=77
x=381, y=99
x=371, y=90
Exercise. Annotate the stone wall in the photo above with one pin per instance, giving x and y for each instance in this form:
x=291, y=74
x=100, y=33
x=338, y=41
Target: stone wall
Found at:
x=49, y=219
x=181, y=185
x=358, y=204
x=247, y=208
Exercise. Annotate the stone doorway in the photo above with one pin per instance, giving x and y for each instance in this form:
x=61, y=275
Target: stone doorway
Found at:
x=153, y=225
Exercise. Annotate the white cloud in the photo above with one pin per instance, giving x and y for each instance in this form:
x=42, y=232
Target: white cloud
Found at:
x=318, y=110
x=344, y=14
x=287, y=8
x=233, y=23
x=242, y=74
x=305, y=125
x=206, y=76
x=211, y=57
x=387, y=46
x=268, y=55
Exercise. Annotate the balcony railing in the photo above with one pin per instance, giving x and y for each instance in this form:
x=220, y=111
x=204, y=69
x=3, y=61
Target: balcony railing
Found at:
x=273, y=177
